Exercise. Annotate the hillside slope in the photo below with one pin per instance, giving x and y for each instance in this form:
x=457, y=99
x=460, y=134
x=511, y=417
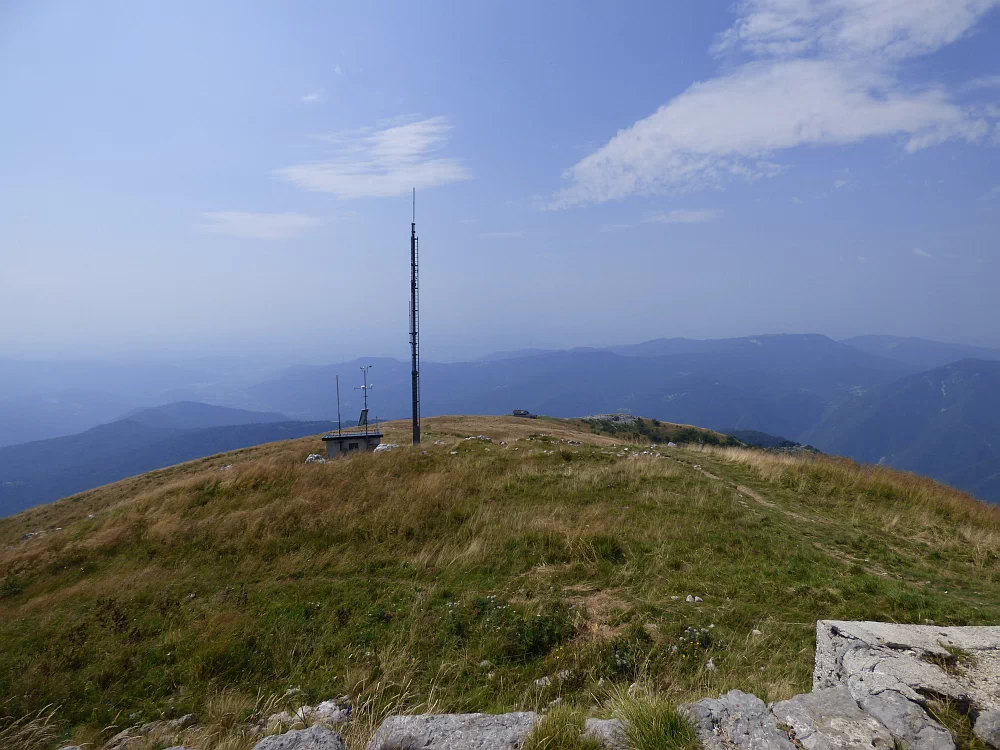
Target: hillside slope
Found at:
x=944, y=423
x=469, y=574
x=45, y=470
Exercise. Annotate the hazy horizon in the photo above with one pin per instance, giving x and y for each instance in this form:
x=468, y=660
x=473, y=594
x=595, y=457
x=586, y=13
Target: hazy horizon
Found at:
x=197, y=180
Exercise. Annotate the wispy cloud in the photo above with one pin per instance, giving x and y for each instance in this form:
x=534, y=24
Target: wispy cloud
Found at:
x=614, y=227
x=841, y=184
x=820, y=72
x=314, y=97
x=257, y=225
x=683, y=216
x=374, y=163
x=338, y=70
x=982, y=83
x=921, y=253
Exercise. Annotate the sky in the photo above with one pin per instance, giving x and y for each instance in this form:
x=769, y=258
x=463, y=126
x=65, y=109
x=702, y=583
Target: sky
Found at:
x=234, y=177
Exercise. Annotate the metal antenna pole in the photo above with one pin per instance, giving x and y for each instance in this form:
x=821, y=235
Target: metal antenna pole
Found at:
x=414, y=321
x=338, y=405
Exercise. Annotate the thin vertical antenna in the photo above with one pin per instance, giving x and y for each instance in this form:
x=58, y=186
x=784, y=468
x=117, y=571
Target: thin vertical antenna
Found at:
x=415, y=320
x=338, y=405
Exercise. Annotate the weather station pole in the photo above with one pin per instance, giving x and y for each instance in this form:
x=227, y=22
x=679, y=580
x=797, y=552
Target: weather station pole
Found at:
x=414, y=321
x=364, y=392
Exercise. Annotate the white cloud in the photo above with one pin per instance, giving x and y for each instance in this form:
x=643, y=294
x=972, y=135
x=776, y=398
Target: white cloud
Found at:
x=683, y=216
x=382, y=163
x=840, y=184
x=921, y=253
x=338, y=70
x=893, y=29
x=614, y=227
x=826, y=72
x=314, y=97
x=257, y=226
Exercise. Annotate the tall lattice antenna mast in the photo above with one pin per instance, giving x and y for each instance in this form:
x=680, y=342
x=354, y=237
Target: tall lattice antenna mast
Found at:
x=415, y=320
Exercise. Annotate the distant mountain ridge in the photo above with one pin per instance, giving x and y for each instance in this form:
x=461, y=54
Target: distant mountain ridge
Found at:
x=191, y=415
x=921, y=353
x=45, y=470
x=944, y=423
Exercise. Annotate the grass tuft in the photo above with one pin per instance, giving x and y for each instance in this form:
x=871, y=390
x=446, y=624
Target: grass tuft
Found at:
x=37, y=731
x=651, y=722
x=560, y=729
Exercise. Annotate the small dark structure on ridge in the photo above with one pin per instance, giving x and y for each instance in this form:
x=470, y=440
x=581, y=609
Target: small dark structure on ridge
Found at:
x=362, y=438
x=525, y=414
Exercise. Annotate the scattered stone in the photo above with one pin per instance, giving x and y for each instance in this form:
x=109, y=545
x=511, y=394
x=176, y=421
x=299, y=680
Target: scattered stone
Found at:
x=609, y=733
x=439, y=442
x=736, y=720
x=452, y=732
x=710, y=665
x=332, y=712
x=383, y=447
x=675, y=598
x=485, y=664
x=693, y=599
x=829, y=719
x=987, y=728
x=671, y=444
x=315, y=458
x=227, y=467
x=543, y=682
x=160, y=729
x=483, y=438
x=313, y=738
x=755, y=632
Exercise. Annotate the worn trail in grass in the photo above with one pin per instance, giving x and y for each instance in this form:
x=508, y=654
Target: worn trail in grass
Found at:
x=471, y=575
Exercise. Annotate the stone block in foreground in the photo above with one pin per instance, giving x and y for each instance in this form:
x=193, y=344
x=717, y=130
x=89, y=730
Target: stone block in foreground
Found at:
x=454, y=731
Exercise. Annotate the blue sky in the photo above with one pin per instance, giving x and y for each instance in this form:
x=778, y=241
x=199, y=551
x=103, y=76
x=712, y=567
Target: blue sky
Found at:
x=229, y=177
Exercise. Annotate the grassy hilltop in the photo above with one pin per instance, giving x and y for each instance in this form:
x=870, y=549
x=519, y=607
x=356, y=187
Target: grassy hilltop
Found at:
x=457, y=575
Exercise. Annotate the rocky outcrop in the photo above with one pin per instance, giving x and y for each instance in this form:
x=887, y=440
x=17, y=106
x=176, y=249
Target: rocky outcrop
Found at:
x=454, y=732
x=314, y=738
x=736, y=720
x=872, y=683
x=830, y=719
